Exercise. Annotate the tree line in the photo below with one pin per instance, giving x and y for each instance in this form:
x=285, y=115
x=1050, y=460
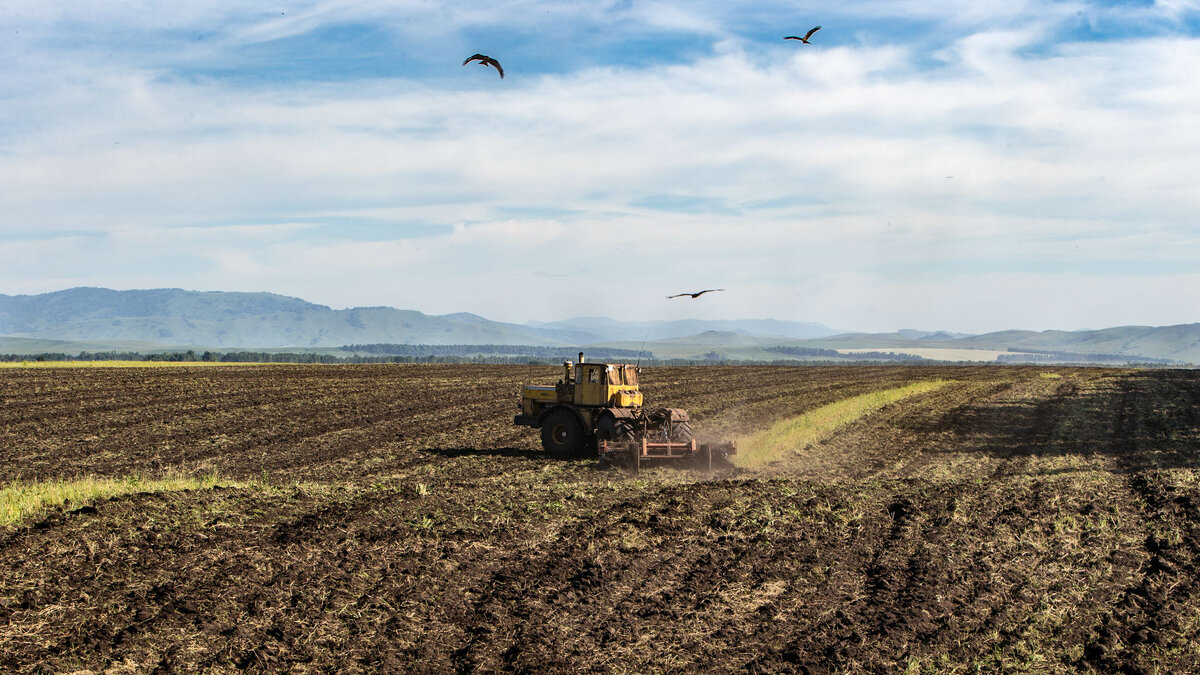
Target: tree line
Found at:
x=1051, y=356
x=536, y=351
x=835, y=354
x=415, y=355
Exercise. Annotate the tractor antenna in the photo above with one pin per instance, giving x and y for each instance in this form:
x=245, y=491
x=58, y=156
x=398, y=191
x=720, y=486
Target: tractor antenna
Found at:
x=639, y=361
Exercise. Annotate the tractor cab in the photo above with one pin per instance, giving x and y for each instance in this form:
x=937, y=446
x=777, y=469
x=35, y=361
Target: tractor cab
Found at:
x=608, y=385
x=585, y=385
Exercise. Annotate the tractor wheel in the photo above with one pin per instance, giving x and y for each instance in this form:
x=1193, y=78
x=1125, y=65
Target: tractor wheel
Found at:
x=563, y=434
x=617, y=431
x=681, y=432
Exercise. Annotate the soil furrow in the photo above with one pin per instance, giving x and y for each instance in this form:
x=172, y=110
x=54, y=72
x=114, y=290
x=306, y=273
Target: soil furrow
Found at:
x=393, y=518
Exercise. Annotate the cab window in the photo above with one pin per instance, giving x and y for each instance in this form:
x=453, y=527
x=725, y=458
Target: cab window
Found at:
x=631, y=375
x=593, y=375
x=613, y=376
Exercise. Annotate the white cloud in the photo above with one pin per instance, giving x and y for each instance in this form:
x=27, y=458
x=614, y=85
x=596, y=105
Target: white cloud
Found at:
x=857, y=185
x=1176, y=9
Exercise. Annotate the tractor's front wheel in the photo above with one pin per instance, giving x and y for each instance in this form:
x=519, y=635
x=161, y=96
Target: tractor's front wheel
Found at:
x=563, y=434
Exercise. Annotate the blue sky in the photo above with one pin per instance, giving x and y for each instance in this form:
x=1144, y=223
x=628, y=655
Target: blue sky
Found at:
x=967, y=166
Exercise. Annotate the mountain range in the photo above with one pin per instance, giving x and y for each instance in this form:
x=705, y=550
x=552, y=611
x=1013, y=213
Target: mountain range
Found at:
x=141, y=320
x=217, y=319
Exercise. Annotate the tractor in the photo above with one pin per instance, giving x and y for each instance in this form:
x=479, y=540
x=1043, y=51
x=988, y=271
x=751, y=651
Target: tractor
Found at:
x=596, y=409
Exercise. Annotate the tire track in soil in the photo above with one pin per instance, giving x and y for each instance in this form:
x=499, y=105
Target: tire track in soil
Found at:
x=1019, y=446
x=577, y=603
x=898, y=595
x=901, y=576
x=950, y=576
x=113, y=596
x=686, y=579
x=254, y=597
x=362, y=562
x=1156, y=615
x=519, y=589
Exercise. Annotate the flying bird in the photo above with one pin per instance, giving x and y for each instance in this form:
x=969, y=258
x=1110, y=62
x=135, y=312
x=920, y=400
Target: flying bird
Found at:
x=806, y=36
x=696, y=294
x=485, y=60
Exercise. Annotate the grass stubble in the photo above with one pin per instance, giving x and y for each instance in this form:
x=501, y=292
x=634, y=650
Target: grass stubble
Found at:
x=23, y=500
x=795, y=434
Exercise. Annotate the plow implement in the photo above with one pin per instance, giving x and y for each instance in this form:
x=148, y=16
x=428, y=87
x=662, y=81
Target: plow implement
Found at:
x=633, y=454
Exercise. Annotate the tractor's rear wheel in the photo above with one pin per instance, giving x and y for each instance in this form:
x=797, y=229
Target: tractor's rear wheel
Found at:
x=563, y=434
x=614, y=430
x=681, y=432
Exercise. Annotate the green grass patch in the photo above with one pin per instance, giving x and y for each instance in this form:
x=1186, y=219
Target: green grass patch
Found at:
x=20, y=499
x=797, y=433
x=1051, y=376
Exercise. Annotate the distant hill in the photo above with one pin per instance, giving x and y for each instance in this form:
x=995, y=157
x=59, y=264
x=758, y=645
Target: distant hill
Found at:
x=604, y=329
x=214, y=319
x=721, y=338
x=931, y=335
x=15, y=345
x=1112, y=346
x=1179, y=344
x=175, y=317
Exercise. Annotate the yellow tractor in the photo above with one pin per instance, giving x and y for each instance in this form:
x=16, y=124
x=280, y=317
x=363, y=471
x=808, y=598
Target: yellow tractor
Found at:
x=596, y=408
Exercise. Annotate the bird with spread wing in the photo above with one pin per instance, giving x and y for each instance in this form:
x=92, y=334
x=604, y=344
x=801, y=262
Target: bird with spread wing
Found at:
x=696, y=294
x=485, y=60
x=806, y=36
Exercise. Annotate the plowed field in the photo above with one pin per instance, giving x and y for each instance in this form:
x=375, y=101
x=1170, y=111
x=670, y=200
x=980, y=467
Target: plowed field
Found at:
x=391, y=518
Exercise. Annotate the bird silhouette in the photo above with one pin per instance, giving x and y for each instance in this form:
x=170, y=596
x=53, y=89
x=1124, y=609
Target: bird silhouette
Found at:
x=696, y=294
x=806, y=36
x=485, y=60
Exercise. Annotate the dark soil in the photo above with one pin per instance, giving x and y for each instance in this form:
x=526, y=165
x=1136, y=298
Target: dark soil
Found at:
x=392, y=519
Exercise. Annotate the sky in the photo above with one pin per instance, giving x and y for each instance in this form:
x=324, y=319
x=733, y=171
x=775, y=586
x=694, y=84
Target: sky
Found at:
x=968, y=166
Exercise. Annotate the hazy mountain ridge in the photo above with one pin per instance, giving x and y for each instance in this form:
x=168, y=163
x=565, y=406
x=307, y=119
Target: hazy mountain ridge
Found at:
x=1180, y=342
x=217, y=319
x=604, y=329
x=180, y=318
x=176, y=317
